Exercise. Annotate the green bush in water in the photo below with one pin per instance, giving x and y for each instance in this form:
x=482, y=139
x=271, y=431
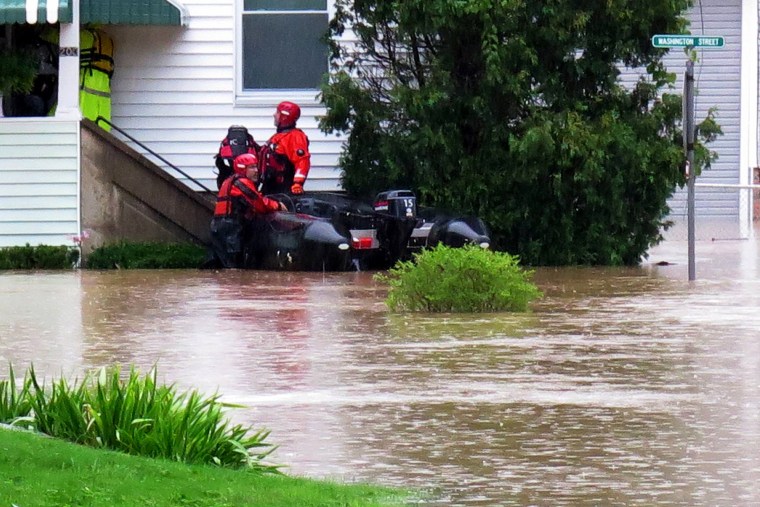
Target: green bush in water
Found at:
x=38, y=257
x=468, y=279
x=137, y=416
x=146, y=255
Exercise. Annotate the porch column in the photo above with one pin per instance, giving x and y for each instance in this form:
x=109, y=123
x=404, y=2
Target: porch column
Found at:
x=68, y=67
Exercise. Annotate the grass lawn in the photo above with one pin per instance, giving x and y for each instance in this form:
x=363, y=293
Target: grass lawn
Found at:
x=39, y=471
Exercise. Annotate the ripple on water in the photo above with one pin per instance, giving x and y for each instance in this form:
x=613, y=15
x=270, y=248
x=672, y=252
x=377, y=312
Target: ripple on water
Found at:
x=621, y=387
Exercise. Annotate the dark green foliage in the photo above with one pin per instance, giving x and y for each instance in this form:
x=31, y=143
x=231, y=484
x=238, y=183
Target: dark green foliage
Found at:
x=146, y=255
x=513, y=111
x=38, y=257
x=135, y=415
x=468, y=279
x=19, y=70
x=14, y=402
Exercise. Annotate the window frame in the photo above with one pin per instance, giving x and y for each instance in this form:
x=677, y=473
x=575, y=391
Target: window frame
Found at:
x=267, y=96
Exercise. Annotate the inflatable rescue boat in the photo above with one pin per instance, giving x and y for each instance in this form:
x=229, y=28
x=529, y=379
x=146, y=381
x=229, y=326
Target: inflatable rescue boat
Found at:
x=333, y=232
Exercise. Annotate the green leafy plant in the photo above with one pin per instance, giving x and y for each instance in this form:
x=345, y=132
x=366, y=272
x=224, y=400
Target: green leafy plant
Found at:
x=14, y=402
x=137, y=416
x=19, y=70
x=38, y=257
x=146, y=255
x=468, y=279
x=516, y=112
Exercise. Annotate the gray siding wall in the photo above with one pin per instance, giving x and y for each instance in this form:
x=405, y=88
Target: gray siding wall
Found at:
x=39, y=182
x=718, y=84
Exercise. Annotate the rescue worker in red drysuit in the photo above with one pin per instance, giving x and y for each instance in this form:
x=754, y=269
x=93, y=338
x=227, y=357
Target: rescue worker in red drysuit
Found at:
x=237, y=202
x=285, y=158
x=237, y=142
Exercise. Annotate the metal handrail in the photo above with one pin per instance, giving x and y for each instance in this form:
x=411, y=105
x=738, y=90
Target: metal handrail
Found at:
x=159, y=157
x=728, y=185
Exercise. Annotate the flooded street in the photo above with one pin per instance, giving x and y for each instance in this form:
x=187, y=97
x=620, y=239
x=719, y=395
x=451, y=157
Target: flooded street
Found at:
x=625, y=386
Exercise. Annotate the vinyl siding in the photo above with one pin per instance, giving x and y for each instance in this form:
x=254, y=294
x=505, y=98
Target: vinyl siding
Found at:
x=173, y=90
x=39, y=182
x=718, y=84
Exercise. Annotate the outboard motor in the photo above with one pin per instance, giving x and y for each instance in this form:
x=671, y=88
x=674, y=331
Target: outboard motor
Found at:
x=398, y=203
x=396, y=212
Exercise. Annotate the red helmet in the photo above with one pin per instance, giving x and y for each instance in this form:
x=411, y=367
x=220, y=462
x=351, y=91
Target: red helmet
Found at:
x=242, y=162
x=289, y=114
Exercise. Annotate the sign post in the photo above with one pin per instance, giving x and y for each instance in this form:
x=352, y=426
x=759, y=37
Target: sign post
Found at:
x=689, y=126
x=688, y=132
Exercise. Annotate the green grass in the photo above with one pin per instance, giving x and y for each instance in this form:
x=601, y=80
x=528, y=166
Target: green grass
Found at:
x=39, y=471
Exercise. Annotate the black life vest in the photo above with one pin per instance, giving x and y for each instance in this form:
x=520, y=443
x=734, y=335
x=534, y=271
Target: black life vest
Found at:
x=237, y=142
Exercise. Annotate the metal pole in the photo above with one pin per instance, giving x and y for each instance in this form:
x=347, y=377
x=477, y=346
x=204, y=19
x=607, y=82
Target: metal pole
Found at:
x=692, y=171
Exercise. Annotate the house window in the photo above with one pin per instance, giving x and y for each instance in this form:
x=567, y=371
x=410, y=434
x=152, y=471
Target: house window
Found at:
x=282, y=45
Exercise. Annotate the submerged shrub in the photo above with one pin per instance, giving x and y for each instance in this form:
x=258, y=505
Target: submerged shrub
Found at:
x=136, y=416
x=468, y=279
x=38, y=257
x=146, y=255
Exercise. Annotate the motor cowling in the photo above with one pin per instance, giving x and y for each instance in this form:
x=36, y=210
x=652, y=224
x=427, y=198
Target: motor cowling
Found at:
x=397, y=203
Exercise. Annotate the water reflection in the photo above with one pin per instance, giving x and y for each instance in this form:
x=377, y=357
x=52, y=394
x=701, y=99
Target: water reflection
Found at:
x=622, y=387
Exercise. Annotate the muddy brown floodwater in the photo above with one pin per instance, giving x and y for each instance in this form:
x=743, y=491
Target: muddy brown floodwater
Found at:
x=627, y=386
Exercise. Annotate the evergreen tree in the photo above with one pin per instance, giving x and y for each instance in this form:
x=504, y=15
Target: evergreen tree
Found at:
x=514, y=111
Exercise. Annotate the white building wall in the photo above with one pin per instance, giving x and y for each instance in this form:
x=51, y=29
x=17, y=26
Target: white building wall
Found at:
x=173, y=90
x=39, y=181
x=718, y=84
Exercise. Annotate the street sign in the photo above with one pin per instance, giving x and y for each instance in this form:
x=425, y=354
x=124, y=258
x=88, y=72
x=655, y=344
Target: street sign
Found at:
x=682, y=41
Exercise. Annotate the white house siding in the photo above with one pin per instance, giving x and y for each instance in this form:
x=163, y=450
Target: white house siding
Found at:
x=718, y=84
x=39, y=181
x=173, y=90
